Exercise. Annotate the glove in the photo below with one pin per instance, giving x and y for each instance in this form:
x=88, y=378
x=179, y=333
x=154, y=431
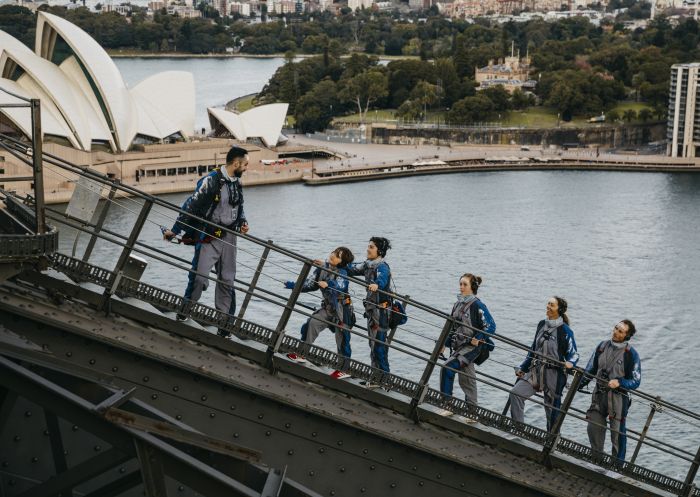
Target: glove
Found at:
x=289, y=285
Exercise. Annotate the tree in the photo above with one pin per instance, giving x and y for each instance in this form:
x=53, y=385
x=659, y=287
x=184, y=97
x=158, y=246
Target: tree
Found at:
x=478, y=108
x=520, y=100
x=645, y=115
x=612, y=116
x=629, y=115
x=314, y=111
x=499, y=96
x=365, y=89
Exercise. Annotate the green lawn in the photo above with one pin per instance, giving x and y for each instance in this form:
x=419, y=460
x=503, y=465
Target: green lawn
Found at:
x=538, y=117
x=372, y=116
x=636, y=106
x=245, y=103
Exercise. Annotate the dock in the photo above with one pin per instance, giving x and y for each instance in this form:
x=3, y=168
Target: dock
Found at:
x=504, y=163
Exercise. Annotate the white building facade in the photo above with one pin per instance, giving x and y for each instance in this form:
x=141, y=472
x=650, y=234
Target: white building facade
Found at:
x=683, y=126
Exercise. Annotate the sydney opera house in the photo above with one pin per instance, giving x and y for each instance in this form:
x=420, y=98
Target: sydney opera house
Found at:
x=142, y=135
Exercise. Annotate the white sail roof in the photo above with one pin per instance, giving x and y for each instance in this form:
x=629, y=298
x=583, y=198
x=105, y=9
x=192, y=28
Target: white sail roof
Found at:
x=264, y=122
x=105, y=75
x=85, y=98
x=170, y=98
x=21, y=117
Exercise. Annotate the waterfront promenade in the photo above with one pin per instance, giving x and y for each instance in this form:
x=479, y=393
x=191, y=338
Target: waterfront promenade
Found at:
x=361, y=162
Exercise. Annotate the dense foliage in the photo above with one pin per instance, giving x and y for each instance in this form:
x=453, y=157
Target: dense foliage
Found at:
x=581, y=69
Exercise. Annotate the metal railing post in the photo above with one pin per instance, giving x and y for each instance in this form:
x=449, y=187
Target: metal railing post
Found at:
x=126, y=252
x=286, y=314
x=554, y=434
x=652, y=411
x=428, y=371
x=690, y=477
x=37, y=163
x=100, y=222
x=251, y=287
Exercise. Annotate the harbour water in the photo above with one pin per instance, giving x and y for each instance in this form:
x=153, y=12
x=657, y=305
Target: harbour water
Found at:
x=616, y=245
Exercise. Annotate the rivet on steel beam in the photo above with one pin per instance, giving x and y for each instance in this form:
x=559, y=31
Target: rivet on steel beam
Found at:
x=461, y=485
x=176, y=388
x=69, y=354
x=145, y=379
x=122, y=470
x=393, y=485
x=313, y=433
x=204, y=398
x=35, y=459
x=74, y=428
x=180, y=488
x=439, y=476
x=290, y=452
x=46, y=433
x=362, y=489
x=12, y=483
x=340, y=442
x=332, y=492
x=268, y=433
x=342, y=469
x=235, y=435
x=321, y=450
x=365, y=451
x=98, y=448
x=115, y=369
x=420, y=483
x=260, y=416
x=415, y=468
x=287, y=425
x=391, y=459
x=154, y=396
x=91, y=361
x=372, y=467
x=233, y=408
x=17, y=438
x=178, y=417
x=311, y=473
x=5, y=464
x=212, y=415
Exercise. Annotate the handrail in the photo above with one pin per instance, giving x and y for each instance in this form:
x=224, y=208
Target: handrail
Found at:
x=104, y=179
x=278, y=341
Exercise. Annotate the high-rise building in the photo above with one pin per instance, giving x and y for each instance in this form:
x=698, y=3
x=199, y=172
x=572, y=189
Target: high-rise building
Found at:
x=683, y=129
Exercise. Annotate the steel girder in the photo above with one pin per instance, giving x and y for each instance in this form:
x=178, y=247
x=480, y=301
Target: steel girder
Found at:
x=157, y=458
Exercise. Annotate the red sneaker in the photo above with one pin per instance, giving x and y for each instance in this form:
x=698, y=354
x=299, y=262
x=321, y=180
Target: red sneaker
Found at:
x=339, y=375
x=296, y=358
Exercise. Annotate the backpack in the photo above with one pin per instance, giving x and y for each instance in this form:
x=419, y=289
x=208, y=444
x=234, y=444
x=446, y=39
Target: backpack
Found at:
x=398, y=315
x=488, y=345
x=193, y=228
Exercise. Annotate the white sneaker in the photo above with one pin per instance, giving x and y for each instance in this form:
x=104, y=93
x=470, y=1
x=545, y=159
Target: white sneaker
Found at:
x=296, y=358
x=339, y=375
x=444, y=412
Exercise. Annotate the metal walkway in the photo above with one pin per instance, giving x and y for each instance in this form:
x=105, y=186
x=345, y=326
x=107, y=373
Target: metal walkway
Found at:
x=97, y=329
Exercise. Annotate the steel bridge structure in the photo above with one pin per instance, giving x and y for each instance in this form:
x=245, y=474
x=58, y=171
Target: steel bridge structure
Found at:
x=103, y=392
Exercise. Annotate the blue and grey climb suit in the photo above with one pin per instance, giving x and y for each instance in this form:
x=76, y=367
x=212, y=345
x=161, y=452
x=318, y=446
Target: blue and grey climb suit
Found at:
x=377, y=306
x=335, y=297
x=472, y=312
x=219, y=199
x=609, y=406
x=554, y=340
